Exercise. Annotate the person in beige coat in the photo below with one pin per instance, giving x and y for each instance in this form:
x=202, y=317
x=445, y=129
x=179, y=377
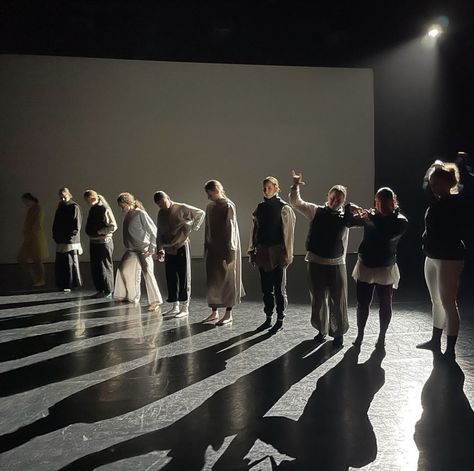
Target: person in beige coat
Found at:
x=222, y=254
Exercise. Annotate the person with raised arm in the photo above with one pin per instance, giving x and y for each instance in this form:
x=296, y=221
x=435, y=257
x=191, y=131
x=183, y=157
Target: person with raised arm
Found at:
x=326, y=247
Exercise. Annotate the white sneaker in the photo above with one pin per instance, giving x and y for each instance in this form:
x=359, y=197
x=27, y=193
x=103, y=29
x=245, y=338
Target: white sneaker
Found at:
x=184, y=311
x=174, y=309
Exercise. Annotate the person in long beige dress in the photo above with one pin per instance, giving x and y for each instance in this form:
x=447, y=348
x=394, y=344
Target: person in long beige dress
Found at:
x=34, y=248
x=222, y=254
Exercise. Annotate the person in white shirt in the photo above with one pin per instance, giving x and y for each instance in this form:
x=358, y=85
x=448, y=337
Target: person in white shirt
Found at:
x=139, y=238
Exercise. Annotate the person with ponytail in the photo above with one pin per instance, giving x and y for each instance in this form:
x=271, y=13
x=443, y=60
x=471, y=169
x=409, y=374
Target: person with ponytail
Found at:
x=100, y=227
x=34, y=249
x=376, y=268
x=67, y=235
x=446, y=221
x=222, y=254
x=139, y=238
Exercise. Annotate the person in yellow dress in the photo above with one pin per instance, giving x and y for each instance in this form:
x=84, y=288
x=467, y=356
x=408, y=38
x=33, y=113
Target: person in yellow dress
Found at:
x=34, y=248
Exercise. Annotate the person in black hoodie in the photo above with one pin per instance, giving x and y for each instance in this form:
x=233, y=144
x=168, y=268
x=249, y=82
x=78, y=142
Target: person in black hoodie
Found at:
x=444, y=244
x=376, y=268
x=326, y=247
x=271, y=249
x=100, y=227
x=67, y=235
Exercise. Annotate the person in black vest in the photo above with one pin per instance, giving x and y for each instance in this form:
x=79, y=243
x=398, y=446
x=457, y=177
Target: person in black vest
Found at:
x=446, y=222
x=326, y=247
x=99, y=227
x=67, y=235
x=271, y=249
x=376, y=268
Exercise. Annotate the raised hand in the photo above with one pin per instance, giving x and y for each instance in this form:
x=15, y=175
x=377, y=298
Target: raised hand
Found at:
x=297, y=178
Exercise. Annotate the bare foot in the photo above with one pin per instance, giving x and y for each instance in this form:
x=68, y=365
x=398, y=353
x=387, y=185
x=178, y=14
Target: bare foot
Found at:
x=213, y=317
x=227, y=319
x=154, y=307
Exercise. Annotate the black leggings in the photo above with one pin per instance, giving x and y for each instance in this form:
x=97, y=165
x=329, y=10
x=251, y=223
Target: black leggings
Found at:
x=365, y=293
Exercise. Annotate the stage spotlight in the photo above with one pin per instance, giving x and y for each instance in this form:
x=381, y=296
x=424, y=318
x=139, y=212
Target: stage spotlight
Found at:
x=435, y=31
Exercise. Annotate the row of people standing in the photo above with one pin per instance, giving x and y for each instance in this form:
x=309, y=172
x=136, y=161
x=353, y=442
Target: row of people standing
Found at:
x=271, y=250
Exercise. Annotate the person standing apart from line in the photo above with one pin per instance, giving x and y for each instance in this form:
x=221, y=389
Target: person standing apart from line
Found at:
x=100, y=227
x=222, y=254
x=67, y=235
x=175, y=222
x=34, y=248
x=139, y=238
x=446, y=222
x=326, y=247
x=376, y=268
x=271, y=249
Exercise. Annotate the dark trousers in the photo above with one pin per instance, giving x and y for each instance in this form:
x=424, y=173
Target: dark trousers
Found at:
x=365, y=293
x=176, y=268
x=274, y=291
x=67, y=271
x=102, y=266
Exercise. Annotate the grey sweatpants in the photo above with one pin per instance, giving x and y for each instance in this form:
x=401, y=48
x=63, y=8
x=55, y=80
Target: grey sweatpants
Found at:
x=328, y=288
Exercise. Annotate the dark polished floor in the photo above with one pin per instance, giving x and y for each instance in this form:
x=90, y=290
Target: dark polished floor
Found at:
x=91, y=384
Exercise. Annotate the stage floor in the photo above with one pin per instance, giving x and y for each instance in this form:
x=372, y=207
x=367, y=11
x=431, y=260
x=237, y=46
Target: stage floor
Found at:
x=89, y=384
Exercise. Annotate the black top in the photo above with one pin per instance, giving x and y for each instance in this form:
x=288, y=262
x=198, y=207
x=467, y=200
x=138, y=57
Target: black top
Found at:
x=446, y=222
x=381, y=236
x=96, y=220
x=269, y=223
x=326, y=231
x=67, y=223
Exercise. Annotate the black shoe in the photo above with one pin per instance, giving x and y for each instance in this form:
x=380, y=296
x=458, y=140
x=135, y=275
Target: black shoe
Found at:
x=278, y=326
x=338, y=341
x=320, y=338
x=99, y=294
x=380, y=342
x=449, y=355
x=266, y=325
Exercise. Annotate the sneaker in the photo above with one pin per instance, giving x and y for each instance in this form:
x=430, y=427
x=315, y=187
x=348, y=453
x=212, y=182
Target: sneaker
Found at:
x=184, y=310
x=320, y=338
x=174, y=309
x=338, y=341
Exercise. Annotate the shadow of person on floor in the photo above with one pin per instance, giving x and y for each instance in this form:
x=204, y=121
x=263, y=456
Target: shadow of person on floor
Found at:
x=333, y=432
x=227, y=412
x=444, y=434
x=137, y=387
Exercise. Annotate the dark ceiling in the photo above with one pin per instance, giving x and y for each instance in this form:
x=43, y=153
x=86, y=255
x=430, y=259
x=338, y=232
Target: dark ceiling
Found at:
x=294, y=32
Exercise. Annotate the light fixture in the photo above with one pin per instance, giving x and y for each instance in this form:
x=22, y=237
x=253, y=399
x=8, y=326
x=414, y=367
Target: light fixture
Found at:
x=435, y=31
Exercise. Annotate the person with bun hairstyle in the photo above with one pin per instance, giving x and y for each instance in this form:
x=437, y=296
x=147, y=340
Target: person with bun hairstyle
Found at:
x=100, y=227
x=34, y=248
x=222, y=254
x=446, y=221
x=376, y=268
x=67, y=235
x=139, y=238
x=271, y=249
x=326, y=247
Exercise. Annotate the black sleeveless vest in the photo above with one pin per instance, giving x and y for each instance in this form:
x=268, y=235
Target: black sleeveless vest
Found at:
x=326, y=231
x=270, y=225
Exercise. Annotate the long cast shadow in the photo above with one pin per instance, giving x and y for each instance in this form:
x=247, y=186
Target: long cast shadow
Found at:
x=227, y=412
x=89, y=311
x=444, y=433
x=333, y=432
x=21, y=348
x=134, y=389
x=87, y=361
x=42, y=302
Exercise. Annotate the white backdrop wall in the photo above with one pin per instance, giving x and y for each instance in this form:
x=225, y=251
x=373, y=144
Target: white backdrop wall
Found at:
x=139, y=126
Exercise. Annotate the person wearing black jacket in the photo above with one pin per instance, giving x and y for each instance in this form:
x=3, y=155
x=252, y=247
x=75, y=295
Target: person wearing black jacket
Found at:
x=100, y=227
x=376, y=268
x=444, y=244
x=66, y=234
